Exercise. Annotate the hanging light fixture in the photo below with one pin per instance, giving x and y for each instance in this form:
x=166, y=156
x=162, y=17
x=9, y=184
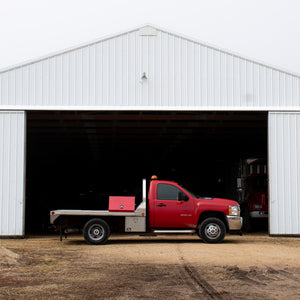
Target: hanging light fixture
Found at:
x=143, y=78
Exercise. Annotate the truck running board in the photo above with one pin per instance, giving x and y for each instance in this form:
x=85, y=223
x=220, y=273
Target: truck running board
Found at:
x=174, y=231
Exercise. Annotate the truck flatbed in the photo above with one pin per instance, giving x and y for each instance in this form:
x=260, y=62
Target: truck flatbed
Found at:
x=54, y=214
x=139, y=212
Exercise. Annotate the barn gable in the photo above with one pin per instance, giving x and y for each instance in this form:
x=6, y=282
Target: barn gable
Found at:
x=180, y=73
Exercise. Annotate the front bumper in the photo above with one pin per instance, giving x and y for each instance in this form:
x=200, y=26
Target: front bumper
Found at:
x=234, y=222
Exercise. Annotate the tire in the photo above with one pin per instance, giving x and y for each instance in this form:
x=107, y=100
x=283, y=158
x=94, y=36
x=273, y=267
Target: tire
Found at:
x=96, y=232
x=212, y=230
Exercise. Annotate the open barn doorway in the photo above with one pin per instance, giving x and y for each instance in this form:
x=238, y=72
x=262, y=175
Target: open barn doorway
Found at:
x=76, y=159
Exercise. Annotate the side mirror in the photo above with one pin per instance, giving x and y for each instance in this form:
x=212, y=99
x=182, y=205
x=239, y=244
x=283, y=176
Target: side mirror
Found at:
x=182, y=196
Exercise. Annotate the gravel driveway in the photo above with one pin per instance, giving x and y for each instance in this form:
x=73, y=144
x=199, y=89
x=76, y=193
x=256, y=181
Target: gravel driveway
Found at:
x=252, y=266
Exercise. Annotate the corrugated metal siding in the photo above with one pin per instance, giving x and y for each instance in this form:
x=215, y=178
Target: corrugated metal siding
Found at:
x=284, y=169
x=181, y=73
x=12, y=150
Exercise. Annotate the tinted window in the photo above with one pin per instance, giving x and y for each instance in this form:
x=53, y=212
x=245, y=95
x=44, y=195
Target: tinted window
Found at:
x=167, y=192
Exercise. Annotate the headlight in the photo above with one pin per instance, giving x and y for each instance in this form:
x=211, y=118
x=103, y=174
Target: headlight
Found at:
x=234, y=210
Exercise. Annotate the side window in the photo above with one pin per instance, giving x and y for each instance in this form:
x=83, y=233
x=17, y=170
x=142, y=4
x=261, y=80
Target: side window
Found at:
x=167, y=192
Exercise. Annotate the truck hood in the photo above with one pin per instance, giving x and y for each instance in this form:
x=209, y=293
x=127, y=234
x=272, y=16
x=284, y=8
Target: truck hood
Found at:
x=220, y=201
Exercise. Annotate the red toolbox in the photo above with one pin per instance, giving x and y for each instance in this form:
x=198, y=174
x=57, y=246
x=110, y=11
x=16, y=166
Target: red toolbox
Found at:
x=121, y=203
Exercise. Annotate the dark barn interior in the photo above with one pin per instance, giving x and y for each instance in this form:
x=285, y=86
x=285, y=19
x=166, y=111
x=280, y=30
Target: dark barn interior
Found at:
x=76, y=159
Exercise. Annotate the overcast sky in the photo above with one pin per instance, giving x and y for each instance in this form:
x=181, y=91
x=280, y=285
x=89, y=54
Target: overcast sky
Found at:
x=265, y=30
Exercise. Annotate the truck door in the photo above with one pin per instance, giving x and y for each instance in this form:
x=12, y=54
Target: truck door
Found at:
x=173, y=207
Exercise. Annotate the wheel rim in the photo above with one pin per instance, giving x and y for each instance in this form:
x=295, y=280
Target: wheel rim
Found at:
x=212, y=230
x=96, y=232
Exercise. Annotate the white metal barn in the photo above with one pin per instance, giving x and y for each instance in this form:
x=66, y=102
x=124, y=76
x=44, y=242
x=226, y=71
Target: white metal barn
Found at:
x=146, y=79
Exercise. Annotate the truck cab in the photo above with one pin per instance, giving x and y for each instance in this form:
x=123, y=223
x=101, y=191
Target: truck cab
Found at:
x=173, y=207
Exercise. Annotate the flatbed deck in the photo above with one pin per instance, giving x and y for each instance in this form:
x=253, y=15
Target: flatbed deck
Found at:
x=139, y=212
x=54, y=214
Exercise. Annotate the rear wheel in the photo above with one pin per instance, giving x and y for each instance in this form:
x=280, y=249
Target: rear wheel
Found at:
x=96, y=232
x=212, y=230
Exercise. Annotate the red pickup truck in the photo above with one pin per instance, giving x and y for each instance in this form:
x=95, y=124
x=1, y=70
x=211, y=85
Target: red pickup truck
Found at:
x=169, y=208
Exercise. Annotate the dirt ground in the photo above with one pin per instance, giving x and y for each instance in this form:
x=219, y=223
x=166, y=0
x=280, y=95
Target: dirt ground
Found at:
x=252, y=266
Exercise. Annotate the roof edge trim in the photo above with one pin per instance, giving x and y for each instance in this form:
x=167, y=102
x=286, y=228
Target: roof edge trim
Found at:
x=72, y=48
x=21, y=108
x=226, y=51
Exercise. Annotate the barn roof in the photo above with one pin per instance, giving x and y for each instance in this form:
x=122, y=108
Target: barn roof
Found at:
x=147, y=26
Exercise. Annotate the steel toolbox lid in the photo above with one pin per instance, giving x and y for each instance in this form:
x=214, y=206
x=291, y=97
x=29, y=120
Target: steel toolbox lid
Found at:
x=121, y=203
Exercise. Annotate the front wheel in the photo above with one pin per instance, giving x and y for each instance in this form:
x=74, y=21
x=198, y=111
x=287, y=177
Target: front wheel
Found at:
x=212, y=230
x=96, y=232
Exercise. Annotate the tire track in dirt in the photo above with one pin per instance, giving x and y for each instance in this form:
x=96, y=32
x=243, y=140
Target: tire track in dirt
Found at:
x=281, y=273
x=191, y=274
x=201, y=282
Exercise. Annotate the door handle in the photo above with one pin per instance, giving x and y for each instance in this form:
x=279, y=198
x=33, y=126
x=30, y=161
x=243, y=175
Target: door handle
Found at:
x=161, y=205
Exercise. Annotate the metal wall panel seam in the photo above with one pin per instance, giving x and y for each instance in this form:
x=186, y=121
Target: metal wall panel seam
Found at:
x=91, y=76
x=281, y=197
x=128, y=73
x=278, y=187
x=114, y=100
x=1, y=171
x=151, y=68
x=297, y=177
x=272, y=173
x=136, y=71
x=6, y=187
x=232, y=78
x=101, y=99
x=184, y=72
x=17, y=183
x=277, y=167
x=294, y=158
x=197, y=75
x=4, y=177
x=120, y=79
x=148, y=86
x=13, y=180
x=7, y=164
x=297, y=138
x=287, y=204
x=191, y=74
x=97, y=73
x=24, y=170
x=282, y=170
x=159, y=48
